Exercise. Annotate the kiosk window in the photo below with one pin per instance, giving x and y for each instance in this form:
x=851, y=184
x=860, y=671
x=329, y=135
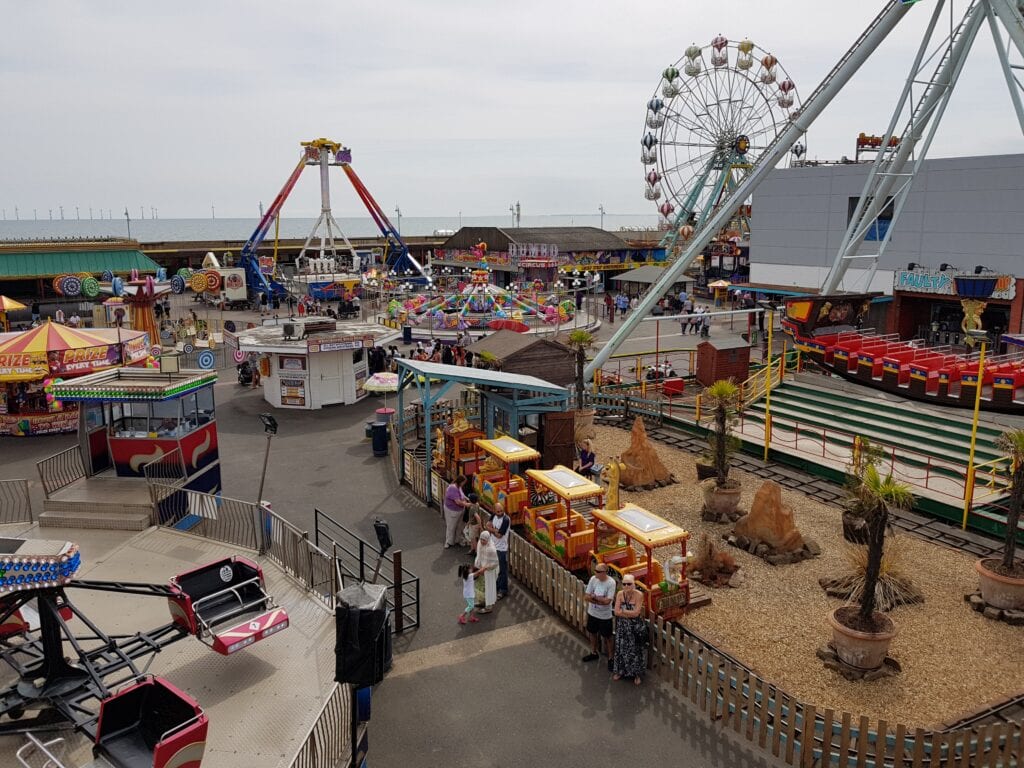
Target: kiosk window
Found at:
x=134, y=421
x=166, y=420
x=204, y=404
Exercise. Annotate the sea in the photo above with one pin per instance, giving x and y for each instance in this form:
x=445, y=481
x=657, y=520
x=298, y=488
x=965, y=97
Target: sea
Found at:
x=177, y=230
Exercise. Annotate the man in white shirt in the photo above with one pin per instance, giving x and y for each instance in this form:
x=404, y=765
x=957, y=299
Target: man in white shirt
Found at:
x=58, y=316
x=499, y=525
x=600, y=597
x=74, y=321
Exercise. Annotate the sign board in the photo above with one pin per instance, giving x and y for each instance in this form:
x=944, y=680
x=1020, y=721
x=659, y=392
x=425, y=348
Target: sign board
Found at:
x=939, y=283
x=293, y=391
x=19, y=366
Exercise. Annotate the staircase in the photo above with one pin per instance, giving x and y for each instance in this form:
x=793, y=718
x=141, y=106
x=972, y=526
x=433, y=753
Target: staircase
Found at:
x=815, y=420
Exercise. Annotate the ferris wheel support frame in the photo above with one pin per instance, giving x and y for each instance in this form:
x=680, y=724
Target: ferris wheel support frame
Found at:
x=834, y=81
x=894, y=169
x=669, y=240
x=1002, y=51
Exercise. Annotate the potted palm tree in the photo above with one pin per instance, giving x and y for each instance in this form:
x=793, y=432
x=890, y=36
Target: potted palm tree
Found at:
x=579, y=341
x=860, y=633
x=1002, y=579
x=721, y=493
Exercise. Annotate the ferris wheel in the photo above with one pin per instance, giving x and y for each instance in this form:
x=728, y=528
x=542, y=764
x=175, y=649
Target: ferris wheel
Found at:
x=714, y=113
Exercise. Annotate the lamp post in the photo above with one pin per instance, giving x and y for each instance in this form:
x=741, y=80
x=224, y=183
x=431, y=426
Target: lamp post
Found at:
x=270, y=428
x=982, y=336
x=769, y=310
x=600, y=208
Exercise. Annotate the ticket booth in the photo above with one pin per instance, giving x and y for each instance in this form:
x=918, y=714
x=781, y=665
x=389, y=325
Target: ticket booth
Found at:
x=131, y=417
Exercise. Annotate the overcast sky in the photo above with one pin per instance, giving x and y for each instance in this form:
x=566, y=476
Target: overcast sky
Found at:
x=448, y=105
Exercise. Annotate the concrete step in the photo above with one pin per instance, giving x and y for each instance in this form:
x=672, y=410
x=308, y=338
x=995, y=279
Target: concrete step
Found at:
x=950, y=422
x=124, y=517
x=908, y=437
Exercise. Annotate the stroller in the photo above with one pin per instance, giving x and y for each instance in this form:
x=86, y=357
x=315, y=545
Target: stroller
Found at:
x=244, y=373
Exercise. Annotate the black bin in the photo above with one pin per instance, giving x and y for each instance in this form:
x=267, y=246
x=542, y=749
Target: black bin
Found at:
x=407, y=334
x=380, y=438
x=362, y=649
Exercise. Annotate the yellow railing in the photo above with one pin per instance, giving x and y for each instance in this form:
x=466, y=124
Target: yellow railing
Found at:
x=991, y=478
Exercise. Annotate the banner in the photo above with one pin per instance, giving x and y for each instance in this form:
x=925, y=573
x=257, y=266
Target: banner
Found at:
x=22, y=366
x=136, y=349
x=40, y=423
x=87, y=360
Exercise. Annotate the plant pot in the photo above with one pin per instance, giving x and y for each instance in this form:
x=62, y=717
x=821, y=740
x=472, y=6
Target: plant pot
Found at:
x=862, y=650
x=721, y=500
x=999, y=591
x=705, y=471
x=854, y=530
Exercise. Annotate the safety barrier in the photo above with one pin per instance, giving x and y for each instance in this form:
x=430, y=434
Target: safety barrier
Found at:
x=759, y=711
x=329, y=742
x=15, y=502
x=61, y=470
x=168, y=469
x=355, y=555
x=246, y=524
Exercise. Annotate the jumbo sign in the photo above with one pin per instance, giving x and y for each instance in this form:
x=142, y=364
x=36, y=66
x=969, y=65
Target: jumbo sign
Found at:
x=22, y=365
x=941, y=283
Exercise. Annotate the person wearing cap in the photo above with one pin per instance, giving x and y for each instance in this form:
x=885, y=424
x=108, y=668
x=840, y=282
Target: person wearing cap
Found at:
x=629, y=660
x=600, y=595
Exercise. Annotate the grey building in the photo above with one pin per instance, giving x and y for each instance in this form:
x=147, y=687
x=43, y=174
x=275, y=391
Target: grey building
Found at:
x=964, y=211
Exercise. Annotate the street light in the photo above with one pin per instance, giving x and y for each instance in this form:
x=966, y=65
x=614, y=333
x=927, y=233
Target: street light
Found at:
x=600, y=207
x=982, y=336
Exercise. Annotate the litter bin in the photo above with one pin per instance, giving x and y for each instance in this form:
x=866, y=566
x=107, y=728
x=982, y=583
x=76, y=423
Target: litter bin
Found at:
x=407, y=334
x=363, y=652
x=369, y=429
x=380, y=438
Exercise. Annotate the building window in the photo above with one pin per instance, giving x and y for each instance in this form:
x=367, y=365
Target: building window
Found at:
x=880, y=226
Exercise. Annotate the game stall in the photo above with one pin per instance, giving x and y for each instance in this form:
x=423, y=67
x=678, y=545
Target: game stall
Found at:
x=34, y=361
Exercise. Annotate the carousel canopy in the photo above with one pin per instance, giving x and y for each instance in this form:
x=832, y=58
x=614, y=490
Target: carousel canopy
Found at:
x=52, y=337
x=52, y=348
x=10, y=305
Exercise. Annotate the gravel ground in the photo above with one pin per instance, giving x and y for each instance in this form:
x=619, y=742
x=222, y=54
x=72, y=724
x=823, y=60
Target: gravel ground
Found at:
x=953, y=659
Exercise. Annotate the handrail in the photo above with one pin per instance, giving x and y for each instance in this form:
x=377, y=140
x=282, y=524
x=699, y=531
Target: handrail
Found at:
x=61, y=470
x=15, y=502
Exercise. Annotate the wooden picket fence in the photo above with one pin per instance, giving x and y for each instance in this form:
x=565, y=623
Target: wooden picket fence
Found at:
x=757, y=710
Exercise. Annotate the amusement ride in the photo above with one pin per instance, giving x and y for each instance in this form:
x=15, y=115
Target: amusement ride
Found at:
x=944, y=47
x=712, y=116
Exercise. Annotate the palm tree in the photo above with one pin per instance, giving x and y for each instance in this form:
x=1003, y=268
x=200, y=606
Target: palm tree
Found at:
x=873, y=497
x=723, y=398
x=1012, y=442
x=580, y=341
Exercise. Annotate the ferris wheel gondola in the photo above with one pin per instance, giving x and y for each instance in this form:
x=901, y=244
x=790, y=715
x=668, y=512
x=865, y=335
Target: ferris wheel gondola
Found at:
x=713, y=114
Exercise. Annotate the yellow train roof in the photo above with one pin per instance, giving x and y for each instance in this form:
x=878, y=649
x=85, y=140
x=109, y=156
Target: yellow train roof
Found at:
x=566, y=483
x=641, y=525
x=508, y=450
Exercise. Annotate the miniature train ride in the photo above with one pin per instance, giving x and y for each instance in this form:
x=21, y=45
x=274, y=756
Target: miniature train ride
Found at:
x=824, y=329
x=496, y=481
x=558, y=519
x=135, y=720
x=665, y=586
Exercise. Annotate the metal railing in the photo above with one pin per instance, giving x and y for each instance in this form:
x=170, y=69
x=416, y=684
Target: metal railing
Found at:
x=169, y=469
x=61, y=470
x=329, y=742
x=246, y=524
x=15, y=502
x=360, y=558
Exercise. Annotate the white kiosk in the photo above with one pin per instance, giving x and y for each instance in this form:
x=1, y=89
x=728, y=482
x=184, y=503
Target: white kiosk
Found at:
x=311, y=362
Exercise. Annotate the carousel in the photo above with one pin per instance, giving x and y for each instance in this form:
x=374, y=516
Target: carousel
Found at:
x=478, y=304
x=33, y=361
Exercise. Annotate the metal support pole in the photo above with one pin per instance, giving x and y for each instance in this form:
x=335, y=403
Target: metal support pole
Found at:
x=263, y=474
x=1004, y=62
x=396, y=579
x=768, y=389
x=969, y=479
x=833, y=83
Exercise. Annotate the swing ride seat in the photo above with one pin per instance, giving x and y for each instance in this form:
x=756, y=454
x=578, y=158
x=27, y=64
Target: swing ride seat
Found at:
x=225, y=605
x=151, y=724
